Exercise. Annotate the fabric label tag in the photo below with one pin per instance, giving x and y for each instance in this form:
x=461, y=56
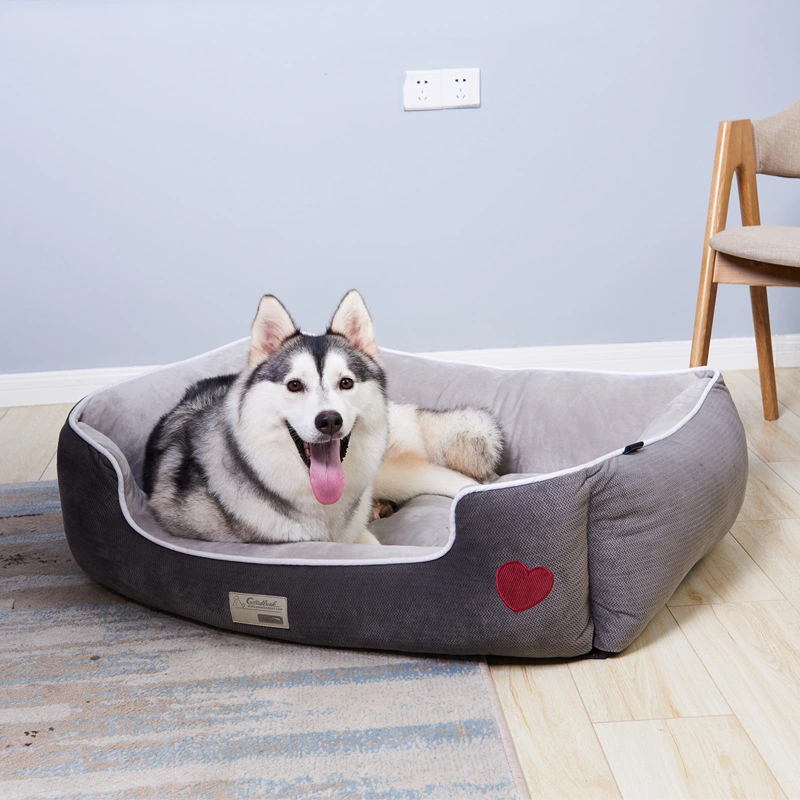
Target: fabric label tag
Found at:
x=259, y=609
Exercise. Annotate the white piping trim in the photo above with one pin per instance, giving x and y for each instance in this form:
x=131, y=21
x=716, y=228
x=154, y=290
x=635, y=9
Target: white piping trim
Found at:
x=313, y=562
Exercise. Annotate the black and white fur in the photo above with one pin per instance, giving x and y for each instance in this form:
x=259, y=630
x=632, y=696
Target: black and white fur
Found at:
x=232, y=460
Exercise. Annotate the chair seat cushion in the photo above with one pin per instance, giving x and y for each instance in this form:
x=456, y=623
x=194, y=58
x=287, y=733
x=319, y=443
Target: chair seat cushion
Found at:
x=772, y=244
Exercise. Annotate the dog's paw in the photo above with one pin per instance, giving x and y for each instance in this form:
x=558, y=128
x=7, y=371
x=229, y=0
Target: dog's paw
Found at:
x=381, y=509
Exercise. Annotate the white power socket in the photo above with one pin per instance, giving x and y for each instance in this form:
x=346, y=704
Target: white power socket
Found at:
x=433, y=89
x=461, y=88
x=422, y=90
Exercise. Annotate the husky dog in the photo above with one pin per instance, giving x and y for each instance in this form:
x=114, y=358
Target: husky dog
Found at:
x=296, y=446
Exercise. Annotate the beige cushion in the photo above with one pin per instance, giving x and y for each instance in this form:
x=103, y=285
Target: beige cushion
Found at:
x=773, y=244
x=777, y=141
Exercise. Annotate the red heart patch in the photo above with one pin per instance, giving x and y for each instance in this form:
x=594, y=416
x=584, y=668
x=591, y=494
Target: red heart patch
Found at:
x=521, y=588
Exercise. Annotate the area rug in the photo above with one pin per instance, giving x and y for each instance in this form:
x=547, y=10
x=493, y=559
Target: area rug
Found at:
x=103, y=698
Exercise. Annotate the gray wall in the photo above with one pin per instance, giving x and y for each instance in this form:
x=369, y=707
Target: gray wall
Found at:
x=163, y=164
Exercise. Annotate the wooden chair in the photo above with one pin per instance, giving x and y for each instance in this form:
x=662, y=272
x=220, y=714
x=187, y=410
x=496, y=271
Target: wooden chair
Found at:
x=753, y=255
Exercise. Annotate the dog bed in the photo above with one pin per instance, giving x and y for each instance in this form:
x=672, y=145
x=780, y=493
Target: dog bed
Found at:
x=612, y=487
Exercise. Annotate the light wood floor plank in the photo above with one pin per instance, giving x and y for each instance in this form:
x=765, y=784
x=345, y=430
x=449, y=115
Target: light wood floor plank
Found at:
x=658, y=676
x=768, y=496
x=555, y=741
x=751, y=651
x=50, y=472
x=789, y=471
x=775, y=546
x=703, y=757
x=726, y=575
x=28, y=441
x=788, y=380
x=773, y=441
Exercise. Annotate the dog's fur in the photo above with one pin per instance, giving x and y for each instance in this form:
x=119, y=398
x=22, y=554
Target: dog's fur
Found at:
x=254, y=456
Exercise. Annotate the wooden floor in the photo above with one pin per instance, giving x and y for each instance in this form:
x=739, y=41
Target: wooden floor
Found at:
x=705, y=704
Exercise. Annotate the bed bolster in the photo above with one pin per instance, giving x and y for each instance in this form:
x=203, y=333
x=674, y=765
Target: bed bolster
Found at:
x=656, y=512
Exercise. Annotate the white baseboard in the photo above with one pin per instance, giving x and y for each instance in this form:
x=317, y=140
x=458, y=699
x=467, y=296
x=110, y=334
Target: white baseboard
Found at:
x=69, y=386
x=725, y=354
x=62, y=386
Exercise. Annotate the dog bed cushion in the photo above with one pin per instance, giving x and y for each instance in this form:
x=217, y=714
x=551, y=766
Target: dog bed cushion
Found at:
x=613, y=485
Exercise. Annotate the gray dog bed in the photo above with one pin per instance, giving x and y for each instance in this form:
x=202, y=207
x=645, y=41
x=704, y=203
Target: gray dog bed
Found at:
x=612, y=487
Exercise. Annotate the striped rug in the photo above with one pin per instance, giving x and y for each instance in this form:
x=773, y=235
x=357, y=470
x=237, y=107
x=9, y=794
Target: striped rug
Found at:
x=102, y=698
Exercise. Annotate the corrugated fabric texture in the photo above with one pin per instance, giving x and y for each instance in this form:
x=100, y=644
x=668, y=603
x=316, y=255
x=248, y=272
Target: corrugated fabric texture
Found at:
x=656, y=512
x=540, y=525
x=103, y=698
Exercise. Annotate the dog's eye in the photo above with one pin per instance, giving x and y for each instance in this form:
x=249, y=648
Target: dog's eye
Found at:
x=294, y=386
x=346, y=383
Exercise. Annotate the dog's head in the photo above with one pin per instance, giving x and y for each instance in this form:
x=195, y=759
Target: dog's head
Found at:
x=315, y=389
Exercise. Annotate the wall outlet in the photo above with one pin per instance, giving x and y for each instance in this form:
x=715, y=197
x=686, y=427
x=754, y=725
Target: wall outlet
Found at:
x=461, y=88
x=422, y=90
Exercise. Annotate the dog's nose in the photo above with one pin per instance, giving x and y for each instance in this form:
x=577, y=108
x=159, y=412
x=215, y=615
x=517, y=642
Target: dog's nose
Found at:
x=329, y=422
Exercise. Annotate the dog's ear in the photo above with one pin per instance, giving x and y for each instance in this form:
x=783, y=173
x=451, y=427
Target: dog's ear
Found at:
x=352, y=320
x=271, y=328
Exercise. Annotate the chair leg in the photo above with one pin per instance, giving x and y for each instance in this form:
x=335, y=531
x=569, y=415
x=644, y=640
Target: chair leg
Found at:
x=766, y=363
x=703, y=320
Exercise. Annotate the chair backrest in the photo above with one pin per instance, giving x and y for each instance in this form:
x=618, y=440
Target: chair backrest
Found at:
x=777, y=141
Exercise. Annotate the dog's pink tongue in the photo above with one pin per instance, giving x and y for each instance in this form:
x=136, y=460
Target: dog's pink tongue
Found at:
x=327, y=475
